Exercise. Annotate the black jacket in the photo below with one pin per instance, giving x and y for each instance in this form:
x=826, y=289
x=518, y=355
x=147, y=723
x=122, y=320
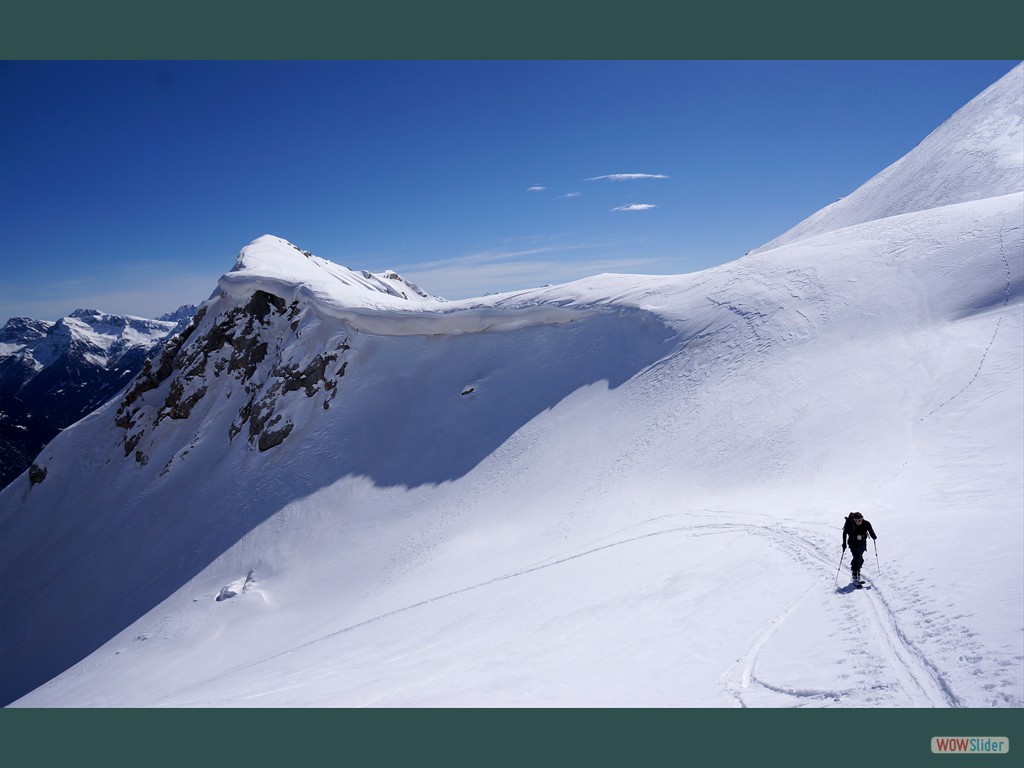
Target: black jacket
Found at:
x=857, y=535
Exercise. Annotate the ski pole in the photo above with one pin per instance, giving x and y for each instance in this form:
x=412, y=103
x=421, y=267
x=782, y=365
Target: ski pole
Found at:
x=841, y=558
x=875, y=543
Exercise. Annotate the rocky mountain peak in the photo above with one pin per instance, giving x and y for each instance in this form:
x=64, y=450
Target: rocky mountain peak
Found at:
x=242, y=358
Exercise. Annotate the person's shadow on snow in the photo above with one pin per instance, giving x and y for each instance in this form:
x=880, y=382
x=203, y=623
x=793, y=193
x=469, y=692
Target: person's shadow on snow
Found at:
x=849, y=588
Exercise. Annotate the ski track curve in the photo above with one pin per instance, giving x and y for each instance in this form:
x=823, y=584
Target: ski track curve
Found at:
x=749, y=660
x=917, y=676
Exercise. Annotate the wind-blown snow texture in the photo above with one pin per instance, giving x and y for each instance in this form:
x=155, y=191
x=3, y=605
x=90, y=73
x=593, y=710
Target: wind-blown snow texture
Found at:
x=328, y=493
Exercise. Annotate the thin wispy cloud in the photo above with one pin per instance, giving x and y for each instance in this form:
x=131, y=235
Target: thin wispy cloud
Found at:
x=529, y=262
x=466, y=282
x=489, y=256
x=570, y=194
x=471, y=260
x=537, y=188
x=628, y=176
x=635, y=207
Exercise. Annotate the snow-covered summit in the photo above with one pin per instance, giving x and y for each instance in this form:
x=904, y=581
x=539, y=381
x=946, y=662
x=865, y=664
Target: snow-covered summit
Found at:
x=276, y=266
x=384, y=304
x=976, y=154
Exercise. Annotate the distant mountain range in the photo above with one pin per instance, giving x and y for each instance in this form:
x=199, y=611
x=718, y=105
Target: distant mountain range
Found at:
x=54, y=373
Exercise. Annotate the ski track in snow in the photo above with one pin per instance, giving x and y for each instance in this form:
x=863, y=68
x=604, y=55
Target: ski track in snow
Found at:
x=916, y=673
x=995, y=332
x=750, y=660
x=917, y=677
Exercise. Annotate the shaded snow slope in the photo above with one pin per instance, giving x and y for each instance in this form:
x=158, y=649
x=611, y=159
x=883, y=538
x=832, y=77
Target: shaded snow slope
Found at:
x=324, y=494
x=190, y=455
x=976, y=154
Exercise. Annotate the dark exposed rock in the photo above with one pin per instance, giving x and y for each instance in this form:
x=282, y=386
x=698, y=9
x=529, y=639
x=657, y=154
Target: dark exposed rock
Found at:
x=151, y=377
x=260, y=304
x=245, y=343
x=178, y=408
x=131, y=441
x=307, y=379
x=261, y=414
x=239, y=343
x=36, y=474
x=284, y=378
x=272, y=437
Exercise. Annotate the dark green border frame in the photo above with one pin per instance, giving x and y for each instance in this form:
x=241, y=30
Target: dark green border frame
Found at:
x=527, y=29
x=826, y=738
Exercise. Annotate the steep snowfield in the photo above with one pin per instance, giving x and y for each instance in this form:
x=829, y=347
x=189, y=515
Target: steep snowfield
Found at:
x=951, y=165
x=624, y=491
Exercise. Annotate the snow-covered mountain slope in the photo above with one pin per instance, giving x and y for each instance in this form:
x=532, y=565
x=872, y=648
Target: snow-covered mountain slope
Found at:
x=977, y=153
x=624, y=491
x=53, y=374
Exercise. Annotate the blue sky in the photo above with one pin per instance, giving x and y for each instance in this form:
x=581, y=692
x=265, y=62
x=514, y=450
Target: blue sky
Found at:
x=129, y=187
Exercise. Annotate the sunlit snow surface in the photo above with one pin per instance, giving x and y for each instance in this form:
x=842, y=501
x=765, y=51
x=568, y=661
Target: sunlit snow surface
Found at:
x=624, y=491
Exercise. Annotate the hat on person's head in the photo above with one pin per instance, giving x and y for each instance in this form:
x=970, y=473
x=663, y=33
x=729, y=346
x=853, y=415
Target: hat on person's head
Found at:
x=856, y=515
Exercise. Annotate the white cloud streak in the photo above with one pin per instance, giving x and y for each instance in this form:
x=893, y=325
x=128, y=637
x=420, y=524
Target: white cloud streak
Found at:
x=537, y=188
x=635, y=207
x=483, y=257
x=502, y=269
x=628, y=176
x=465, y=282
